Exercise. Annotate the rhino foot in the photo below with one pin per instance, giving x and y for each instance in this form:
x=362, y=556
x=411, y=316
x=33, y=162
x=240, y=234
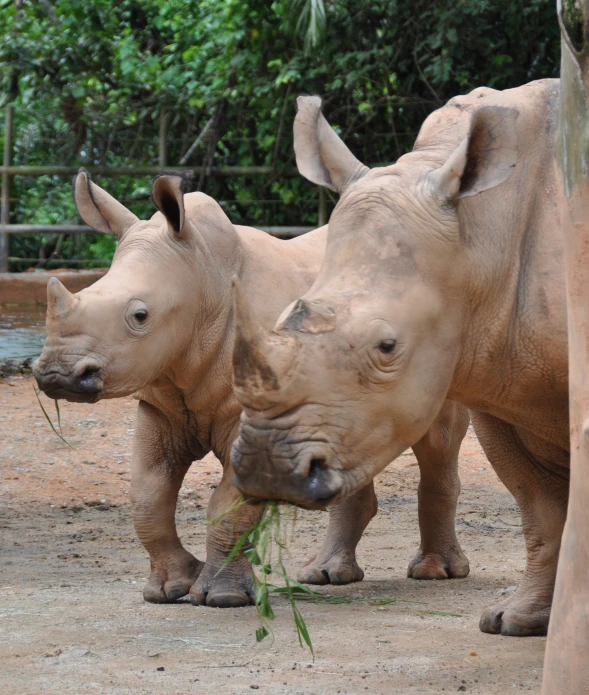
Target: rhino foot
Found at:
x=172, y=579
x=341, y=568
x=516, y=616
x=452, y=564
x=233, y=587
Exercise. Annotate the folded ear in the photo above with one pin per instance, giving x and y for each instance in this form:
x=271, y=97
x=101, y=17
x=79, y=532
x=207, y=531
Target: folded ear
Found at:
x=484, y=159
x=321, y=155
x=98, y=209
x=168, y=195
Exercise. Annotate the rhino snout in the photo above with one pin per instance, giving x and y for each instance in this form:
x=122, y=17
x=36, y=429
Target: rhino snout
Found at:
x=301, y=475
x=82, y=385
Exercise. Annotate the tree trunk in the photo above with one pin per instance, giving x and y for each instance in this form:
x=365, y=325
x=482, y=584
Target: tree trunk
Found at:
x=566, y=666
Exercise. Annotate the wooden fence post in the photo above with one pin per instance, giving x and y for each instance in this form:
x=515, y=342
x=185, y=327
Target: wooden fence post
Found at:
x=322, y=214
x=566, y=664
x=163, y=139
x=5, y=204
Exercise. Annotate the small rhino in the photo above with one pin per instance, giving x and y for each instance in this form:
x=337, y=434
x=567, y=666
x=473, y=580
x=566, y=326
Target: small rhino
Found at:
x=160, y=324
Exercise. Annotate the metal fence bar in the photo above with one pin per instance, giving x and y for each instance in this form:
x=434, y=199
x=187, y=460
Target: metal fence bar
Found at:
x=5, y=203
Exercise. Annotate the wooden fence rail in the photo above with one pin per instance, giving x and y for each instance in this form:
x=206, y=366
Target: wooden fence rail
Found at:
x=287, y=232
x=140, y=170
x=7, y=171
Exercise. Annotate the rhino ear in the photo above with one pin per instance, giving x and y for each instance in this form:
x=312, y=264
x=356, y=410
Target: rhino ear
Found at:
x=168, y=195
x=98, y=209
x=484, y=159
x=321, y=155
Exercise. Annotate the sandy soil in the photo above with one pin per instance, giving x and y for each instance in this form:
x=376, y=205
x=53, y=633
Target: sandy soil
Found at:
x=72, y=618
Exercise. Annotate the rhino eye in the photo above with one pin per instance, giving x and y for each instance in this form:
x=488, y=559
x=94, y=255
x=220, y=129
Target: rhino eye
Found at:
x=136, y=317
x=387, y=346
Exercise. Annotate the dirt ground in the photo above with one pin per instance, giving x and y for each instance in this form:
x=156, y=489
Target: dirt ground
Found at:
x=72, y=618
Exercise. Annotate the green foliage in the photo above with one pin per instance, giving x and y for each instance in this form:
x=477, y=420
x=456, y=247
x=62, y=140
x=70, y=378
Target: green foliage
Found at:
x=89, y=81
x=266, y=543
x=310, y=21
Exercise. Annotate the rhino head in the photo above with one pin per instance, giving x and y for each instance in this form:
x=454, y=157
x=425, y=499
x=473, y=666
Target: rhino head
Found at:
x=357, y=369
x=135, y=324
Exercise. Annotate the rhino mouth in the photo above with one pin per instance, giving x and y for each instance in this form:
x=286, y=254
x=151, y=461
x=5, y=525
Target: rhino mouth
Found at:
x=318, y=504
x=62, y=393
x=314, y=488
x=85, y=386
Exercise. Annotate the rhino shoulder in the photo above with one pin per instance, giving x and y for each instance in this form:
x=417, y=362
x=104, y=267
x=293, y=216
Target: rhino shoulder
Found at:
x=447, y=126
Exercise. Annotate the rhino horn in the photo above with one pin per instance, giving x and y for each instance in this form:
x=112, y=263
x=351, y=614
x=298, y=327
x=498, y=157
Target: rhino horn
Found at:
x=262, y=363
x=307, y=317
x=59, y=299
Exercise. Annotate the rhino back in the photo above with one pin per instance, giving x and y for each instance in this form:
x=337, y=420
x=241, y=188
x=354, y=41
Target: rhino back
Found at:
x=536, y=104
x=277, y=271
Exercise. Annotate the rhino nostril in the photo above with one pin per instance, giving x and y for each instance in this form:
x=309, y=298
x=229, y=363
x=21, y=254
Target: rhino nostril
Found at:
x=89, y=376
x=318, y=463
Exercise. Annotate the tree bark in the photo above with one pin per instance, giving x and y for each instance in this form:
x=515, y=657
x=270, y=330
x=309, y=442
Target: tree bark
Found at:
x=566, y=665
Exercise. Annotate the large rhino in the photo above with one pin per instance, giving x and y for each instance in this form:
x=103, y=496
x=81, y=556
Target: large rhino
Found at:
x=161, y=323
x=443, y=278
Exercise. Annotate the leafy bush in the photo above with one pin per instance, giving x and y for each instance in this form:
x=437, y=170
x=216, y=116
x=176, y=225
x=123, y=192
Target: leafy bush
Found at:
x=90, y=81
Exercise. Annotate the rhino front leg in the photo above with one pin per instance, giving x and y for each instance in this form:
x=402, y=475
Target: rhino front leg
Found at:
x=233, y=585
x=155, y=482
x=335, y=563
x=536, y=475
x=440, y=555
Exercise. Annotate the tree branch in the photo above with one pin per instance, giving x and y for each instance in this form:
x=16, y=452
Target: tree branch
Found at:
x=198, y=140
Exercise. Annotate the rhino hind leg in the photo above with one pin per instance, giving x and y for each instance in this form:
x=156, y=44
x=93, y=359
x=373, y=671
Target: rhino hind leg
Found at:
x=536, y=475
x=231, y=586
x=440, y=555
x=335, y=563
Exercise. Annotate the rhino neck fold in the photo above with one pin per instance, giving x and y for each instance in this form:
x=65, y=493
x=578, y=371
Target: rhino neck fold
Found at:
x=514, y=324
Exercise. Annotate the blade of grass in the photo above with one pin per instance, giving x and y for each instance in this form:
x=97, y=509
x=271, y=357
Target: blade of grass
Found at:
x=242, y=540
x=295, y=587
x=280, y=590
x=58, y=414
x=232, y=509
x=302, y=630
x=49, y=419
x=334, y=600
x=305, y=594
x=267, y=538
x=300, y=624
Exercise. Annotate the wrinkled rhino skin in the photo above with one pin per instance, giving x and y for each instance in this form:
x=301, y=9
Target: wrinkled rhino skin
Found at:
x=160, y=324
x=443, y=278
